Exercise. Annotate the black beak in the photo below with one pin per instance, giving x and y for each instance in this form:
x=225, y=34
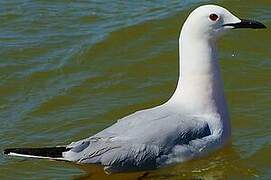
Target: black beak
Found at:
x=247, y=24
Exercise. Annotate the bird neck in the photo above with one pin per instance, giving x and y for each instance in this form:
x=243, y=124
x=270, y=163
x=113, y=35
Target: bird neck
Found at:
x=200, y=87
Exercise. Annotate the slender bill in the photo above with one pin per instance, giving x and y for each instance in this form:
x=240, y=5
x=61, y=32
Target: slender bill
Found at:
x=247, y=24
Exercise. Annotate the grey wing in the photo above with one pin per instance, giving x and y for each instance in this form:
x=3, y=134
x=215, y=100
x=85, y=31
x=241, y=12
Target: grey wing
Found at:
x=136, y=142
x=115, y=155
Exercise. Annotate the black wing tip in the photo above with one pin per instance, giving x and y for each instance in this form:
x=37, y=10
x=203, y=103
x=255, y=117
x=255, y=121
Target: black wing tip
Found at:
x=45, y=152
x=7, y=151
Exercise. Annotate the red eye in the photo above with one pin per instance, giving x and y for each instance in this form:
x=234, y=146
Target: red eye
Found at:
x=213, y=17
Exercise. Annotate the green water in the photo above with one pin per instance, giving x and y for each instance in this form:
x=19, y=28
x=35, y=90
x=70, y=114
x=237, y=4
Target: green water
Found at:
x=71, y=68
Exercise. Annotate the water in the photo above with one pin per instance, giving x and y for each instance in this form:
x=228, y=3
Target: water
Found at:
x=71, y=68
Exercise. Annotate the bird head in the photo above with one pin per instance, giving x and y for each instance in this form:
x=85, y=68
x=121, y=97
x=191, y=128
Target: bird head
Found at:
x=210, y=21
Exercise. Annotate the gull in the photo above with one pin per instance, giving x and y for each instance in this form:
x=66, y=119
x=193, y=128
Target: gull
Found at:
x=192, y=123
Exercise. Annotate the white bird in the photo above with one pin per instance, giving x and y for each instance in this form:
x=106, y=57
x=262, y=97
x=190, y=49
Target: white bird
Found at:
x=192, y=123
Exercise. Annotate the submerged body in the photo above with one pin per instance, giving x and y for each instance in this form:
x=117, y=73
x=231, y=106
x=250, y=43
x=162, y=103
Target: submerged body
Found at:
x=146, y=139
x=193, y=122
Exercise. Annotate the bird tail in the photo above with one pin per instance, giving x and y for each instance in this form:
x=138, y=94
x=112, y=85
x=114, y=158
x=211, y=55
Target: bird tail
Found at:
x=54, y=153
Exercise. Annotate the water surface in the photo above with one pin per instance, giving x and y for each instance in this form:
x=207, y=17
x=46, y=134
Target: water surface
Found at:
x=71, y=68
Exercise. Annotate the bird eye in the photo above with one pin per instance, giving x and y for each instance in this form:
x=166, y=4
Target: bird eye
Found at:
x=213, y=17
